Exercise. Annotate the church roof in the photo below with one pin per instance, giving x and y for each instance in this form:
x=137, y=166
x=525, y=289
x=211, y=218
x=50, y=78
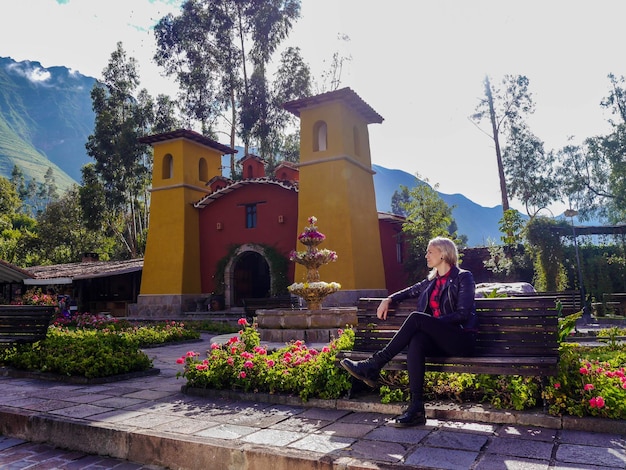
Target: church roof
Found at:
x=209, y=198
x=344, y=94
x=189, y=135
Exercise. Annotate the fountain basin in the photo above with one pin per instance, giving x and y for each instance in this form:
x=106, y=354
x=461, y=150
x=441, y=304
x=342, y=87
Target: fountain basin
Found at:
x=310, y=326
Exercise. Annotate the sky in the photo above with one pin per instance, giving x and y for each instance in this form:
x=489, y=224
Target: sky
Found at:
x=419, y=63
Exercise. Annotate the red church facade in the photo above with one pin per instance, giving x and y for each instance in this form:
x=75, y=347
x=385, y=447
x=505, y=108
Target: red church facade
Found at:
x=248, y=228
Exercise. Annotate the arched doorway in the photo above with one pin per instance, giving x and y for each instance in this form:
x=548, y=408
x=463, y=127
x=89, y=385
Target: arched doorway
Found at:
x=251, y=277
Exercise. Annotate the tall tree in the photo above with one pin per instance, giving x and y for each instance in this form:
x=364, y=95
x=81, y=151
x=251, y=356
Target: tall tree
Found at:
x=219, y=50
x=122, y=164
x=530, y=171
x=504, y=107
x=593, y=175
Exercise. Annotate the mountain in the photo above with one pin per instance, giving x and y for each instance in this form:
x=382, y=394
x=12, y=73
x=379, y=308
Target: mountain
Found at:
x=479, y=223
x=45, y=118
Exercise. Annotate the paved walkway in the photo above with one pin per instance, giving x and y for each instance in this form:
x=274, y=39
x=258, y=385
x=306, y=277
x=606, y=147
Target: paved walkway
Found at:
x=148, y=421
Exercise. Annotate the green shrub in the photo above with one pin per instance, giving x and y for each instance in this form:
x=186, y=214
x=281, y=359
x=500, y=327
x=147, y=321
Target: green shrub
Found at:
x=94, y=346
x=86, y=353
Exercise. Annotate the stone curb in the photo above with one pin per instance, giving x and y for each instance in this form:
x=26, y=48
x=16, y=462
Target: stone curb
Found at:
x=447, y=411
x=154, y=448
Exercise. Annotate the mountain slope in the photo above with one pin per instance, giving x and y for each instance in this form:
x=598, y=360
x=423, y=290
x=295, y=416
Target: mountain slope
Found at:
x=45, y=118
x=479, y=223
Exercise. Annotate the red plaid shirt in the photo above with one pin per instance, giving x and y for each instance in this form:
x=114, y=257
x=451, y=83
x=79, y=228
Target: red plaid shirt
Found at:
x=435, y=294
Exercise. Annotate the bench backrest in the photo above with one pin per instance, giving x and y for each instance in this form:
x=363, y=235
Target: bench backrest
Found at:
x=571, y=300
x=24, y=324
x=509, y=326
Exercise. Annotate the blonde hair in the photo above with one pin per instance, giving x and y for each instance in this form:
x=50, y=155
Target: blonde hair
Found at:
x=449, y=252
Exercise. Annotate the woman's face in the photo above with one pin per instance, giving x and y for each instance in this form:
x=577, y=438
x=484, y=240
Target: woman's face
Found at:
x=434, y=256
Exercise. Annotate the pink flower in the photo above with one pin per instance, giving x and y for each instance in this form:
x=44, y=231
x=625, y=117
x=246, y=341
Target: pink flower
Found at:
x=230, y=361
x=584, y=370
x=242, y=322
x=588, y=387
x=215, y=346
x=242, y=375
x=557, y=385
x=260, y=350
x=339, y=331
x=190, y=354
x=596, y=402
x=270, y=363
x=202, y=367
x=325, y=349
x=248, y=364
x=180, y=360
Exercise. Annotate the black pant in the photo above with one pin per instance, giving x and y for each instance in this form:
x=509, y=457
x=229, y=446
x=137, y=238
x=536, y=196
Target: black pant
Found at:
x=425, y=336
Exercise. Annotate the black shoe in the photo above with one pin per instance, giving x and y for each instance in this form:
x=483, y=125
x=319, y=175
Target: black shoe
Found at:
x=415, y=415
x=365, y=371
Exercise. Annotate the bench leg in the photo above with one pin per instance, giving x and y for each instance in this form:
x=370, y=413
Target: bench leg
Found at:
x=544, y=386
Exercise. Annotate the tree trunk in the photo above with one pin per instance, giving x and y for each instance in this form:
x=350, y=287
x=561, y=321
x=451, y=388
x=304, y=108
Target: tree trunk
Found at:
x=494, y=126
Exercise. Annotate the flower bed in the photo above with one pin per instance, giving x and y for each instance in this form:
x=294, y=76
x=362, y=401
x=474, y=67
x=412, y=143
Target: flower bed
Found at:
x=591, y=381
x=243, y=364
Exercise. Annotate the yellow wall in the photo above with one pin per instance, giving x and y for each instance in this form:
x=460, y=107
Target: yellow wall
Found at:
x=172, y=258
x=337, y=187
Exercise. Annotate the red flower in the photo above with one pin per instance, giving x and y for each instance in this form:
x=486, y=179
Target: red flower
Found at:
x=557, y=385
x=596, y=402
x=588, y=387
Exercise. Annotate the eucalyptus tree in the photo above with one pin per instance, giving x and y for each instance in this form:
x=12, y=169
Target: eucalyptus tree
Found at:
x=122, y=164
x=529, y=170
x=219, y=51
x=592, y=175
x=504, y=107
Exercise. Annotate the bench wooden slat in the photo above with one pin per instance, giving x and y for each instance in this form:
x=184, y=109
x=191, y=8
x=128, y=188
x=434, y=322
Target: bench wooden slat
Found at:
x=24, y=324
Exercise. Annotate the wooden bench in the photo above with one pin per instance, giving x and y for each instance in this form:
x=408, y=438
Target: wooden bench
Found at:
x=570, y=300
x=24, y=324
x=250, y=306
x=614, y=303
x=517, y=336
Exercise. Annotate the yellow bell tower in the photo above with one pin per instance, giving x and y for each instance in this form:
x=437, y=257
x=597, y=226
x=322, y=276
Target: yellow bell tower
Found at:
x=184, y=161
x=337, y=186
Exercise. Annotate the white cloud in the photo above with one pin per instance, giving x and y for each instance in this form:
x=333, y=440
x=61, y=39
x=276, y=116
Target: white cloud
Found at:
x=30, y=71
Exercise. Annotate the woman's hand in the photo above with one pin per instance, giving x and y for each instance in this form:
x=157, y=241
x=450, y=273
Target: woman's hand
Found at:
x=383, y=308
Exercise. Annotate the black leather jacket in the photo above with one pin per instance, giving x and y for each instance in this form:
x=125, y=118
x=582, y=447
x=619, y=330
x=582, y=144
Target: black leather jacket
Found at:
x=456, y=300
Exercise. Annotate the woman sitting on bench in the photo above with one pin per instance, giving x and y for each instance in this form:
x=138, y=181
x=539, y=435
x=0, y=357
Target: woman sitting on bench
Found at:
x=443, y=325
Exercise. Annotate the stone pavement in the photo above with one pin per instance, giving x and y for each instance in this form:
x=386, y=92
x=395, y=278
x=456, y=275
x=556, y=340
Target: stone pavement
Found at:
x=147, y=422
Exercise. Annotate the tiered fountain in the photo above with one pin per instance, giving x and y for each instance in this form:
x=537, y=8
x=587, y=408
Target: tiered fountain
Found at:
x=313, y=324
